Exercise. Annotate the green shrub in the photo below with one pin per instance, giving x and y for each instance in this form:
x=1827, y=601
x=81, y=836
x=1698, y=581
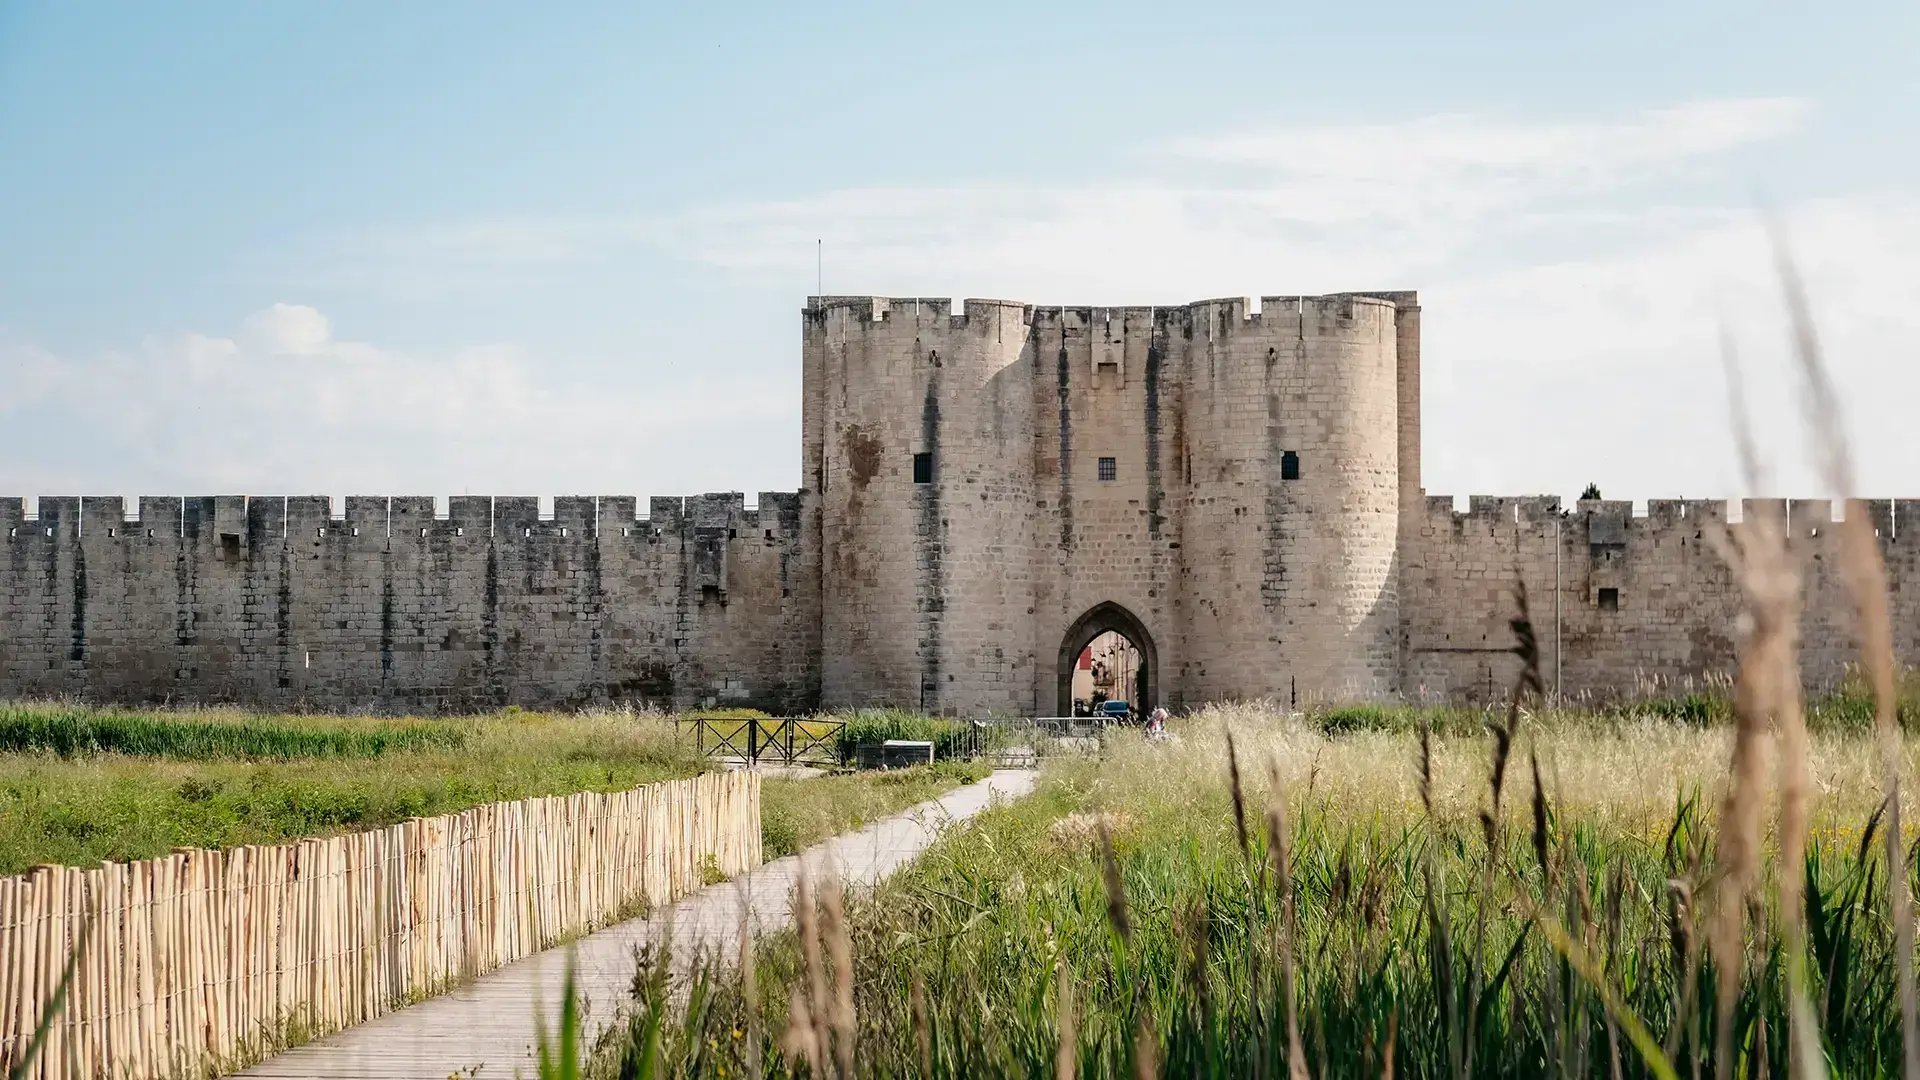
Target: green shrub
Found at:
x=727, y=714
x=878, y=725
x=1698, y=709
x=1339, y=719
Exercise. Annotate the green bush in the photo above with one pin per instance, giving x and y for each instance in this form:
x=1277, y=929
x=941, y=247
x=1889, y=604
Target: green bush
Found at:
x=1698, y=709
x=727, y=714
x=878, y=725
x=1339, y=719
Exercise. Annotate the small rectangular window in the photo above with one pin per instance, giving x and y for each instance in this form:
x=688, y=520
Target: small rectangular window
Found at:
x=1289, y=466
x=923, y=468
x=1109, y=469
x=1609, y=599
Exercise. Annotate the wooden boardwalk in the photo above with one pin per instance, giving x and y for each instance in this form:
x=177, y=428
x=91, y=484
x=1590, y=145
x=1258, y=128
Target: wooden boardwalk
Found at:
x=486, y=1028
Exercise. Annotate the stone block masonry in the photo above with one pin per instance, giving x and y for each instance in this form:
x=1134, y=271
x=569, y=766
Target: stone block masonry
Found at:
x=276, y=602
x=985, y=489
x=1625, y=606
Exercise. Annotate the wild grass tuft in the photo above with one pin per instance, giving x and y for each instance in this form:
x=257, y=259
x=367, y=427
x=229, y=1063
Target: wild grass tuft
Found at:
x=71, y=732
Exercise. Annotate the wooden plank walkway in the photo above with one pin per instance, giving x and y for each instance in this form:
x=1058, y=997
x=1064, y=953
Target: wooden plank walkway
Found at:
x=486, y=1028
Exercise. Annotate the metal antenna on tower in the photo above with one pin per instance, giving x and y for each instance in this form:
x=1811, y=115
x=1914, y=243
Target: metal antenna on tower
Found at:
x=820, y=267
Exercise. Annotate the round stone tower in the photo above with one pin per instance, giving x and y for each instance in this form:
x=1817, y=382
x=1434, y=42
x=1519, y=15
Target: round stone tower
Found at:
x=919, y=448
x=1292, y=507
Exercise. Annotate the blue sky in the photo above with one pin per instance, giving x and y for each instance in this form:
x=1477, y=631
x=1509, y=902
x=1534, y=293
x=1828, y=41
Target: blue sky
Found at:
x=435, y=248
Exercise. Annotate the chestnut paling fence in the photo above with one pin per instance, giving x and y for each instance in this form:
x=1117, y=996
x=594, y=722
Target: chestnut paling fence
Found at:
x=206, y=958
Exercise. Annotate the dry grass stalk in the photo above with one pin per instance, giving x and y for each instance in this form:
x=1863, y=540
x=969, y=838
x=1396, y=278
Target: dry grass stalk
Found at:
x=1146, y=1049
x=1540, y=821
x=1527, y=648
x=806, y=1034
x=840, y=949
x=1614, y=912
x=1239, y=798
x=1197, y=936
x=1279, y=849
x=1079, y=832
x=1766, y=566
x=1386, y=1055
x=749, y=986
x=1065, y=1067
x=1685, y=944
x=1116, y=890
x=1865, y=575
x=1738, y=854
x=922, y=1029
x=1426, y=767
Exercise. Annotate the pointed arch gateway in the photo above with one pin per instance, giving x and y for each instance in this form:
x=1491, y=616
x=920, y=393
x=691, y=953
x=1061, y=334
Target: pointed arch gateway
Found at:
x=1098, y=620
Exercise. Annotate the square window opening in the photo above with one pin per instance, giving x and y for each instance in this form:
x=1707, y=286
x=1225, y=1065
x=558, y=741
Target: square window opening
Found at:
x=1109, y=468
x=1609, y=599
x=923, y=468
x=1289, y=466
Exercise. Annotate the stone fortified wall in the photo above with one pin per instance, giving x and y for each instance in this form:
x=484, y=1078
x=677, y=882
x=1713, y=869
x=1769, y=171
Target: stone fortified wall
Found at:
x=1623, y=605
x=275, y=602
x=985, y=489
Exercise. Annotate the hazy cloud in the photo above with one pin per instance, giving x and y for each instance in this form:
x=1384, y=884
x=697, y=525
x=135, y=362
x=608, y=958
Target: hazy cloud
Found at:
x=1575, y=276
x=283, y=406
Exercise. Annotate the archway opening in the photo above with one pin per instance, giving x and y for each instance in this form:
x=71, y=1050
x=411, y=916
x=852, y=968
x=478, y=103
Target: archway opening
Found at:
x=1107, y=657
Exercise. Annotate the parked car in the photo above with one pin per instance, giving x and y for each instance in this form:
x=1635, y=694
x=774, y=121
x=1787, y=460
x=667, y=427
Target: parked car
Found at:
x=1115, y=710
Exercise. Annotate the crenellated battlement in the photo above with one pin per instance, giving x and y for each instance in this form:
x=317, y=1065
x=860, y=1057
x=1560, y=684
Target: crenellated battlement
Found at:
x=921, y=314
x=257, y=518
x=1894, y=520
x=1327, y=313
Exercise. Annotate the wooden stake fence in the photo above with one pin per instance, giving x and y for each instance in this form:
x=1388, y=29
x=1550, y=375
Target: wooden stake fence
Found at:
x=204, y=958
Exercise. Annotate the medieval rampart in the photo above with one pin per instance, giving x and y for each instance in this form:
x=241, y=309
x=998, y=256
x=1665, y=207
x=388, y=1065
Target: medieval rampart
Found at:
x=1622, y=605
x=274, y=601
x=986, y=487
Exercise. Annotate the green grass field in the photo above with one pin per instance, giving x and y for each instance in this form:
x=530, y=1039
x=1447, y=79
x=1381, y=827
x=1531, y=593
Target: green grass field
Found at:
x=1397, y=932
x=78, y=786
x=796, y=814
x=81, y=785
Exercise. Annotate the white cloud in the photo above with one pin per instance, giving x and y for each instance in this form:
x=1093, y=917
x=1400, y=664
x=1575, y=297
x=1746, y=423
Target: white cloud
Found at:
x=1452, y=145
x=287, y=330
x=1213, y=214
x=1573, y=299
x=1575, y=276
x=1540, y=377
x=283, y=406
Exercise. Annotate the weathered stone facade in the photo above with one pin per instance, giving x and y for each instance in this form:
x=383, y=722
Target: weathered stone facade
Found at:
x=986, y=490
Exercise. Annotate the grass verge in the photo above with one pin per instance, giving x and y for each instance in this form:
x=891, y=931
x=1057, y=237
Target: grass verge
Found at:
x=93, y=806
x=796, y=814
x=1168, y=927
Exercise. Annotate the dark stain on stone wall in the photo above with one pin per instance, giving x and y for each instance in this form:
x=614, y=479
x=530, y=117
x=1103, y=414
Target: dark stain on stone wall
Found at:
x=863, y=454
x=490, y=622
x=929, y=544
x=283, y=621
x=595, y=602
x=386, y=620
x=1066, y=445
x=78, y=651
x=1154, y=487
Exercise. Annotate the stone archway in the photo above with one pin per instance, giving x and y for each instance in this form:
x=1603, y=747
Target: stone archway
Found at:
x=1100, y=619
